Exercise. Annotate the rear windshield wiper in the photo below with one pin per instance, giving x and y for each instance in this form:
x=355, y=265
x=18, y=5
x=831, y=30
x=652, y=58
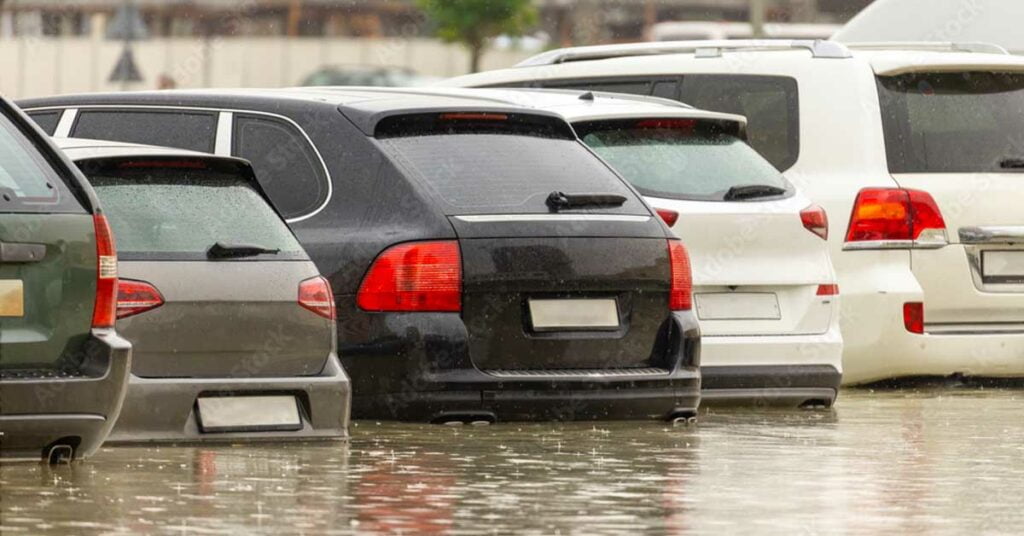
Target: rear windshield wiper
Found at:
x=559, y=200
x=1012, y=163
x=751, y=191
x=220, y=250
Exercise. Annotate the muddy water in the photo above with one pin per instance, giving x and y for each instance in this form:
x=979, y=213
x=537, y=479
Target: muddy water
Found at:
x=916, y=462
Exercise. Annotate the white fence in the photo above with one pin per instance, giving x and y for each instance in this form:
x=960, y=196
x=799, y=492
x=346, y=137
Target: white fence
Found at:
x=31, y=67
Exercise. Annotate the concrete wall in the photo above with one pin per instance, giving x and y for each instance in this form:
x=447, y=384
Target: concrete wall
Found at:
x=32, y=67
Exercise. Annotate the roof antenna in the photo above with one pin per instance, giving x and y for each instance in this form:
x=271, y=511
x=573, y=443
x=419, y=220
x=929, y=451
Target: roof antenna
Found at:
x=588, y=96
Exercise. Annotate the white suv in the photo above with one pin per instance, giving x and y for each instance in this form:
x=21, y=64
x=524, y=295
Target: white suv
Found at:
x=916, y=150
x=764, y=288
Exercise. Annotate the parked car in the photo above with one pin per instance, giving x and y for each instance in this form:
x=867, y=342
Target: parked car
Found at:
x=63, y=367
x=764, y=288
x=366, y=75
x=486, y=265
x=232, y=325
x=912, y=148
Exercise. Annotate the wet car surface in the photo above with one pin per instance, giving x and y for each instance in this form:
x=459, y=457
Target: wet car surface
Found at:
x=935, y=461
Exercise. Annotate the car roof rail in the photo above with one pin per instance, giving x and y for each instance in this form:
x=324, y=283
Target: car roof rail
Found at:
x=707, y=48
x=938, y=46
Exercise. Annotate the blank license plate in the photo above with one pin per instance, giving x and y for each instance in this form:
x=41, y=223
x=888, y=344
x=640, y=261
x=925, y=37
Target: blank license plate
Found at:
x=738, y=306
x=248, y=414
x=1002, y=263
x=548, y=315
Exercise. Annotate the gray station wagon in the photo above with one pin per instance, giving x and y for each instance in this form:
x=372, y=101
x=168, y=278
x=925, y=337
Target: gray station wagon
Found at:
x=232, y=324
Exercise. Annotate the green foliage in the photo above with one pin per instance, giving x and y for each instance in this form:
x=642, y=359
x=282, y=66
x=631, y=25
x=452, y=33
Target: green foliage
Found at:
x=474, y=22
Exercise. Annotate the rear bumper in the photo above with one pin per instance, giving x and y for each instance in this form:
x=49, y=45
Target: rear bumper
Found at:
x=80, y=411
x=772, y=370
x=428, y=377
x=781, y=385
x=158, y=409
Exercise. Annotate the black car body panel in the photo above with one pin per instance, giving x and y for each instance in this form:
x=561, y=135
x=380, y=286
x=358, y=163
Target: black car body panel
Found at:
x=439, y=365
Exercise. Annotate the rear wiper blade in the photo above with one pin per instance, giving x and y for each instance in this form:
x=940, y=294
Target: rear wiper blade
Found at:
x=220, y=250
x=750, y=191
x=559, y=200
x=1012, y=163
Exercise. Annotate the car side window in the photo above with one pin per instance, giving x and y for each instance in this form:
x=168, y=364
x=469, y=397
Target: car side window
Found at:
x=195, y=131
x=47, y=120
x=286, y=165
x=770, y=103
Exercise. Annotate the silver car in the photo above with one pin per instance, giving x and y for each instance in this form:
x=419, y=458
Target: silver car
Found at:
x=233, y=326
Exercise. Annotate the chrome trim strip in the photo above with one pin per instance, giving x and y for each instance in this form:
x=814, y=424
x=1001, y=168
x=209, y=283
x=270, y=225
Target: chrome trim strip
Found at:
x=975, y=329
x=992, y=235
x=316, y=150
x=225, y=126
x=67, y=120
x=580, y=373
x=512, y=218
x=894, y=244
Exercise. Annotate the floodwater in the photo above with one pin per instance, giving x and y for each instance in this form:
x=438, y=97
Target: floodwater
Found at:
x=935, y=461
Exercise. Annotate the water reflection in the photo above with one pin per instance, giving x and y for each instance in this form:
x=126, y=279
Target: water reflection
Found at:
x=908, y=462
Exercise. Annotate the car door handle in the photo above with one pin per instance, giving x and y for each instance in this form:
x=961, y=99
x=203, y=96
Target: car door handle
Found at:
x=21, y=253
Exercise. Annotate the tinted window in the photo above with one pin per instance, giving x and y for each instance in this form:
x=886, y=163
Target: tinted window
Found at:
x=46, y=120
x=770, y=103
x=286, y=165
x=27, y=182
x=500, y=173
x=953, y=122
x=678, y=159
x=178, y=213
x=183, y=130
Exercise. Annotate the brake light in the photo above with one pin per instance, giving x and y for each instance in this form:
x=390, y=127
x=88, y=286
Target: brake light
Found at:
x=913, y=317
x=669, y=216
x=681, y=292
x=687, y=125
x=828, y=290
x=815, y=220
x=414, y=277
x=473, y=116
x=896, y=218
x=315, y=294
x=175, y=164
x=104, y=311
x=134, y=297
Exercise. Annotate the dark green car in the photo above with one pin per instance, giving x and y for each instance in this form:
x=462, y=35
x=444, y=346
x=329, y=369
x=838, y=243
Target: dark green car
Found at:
x=63, y=369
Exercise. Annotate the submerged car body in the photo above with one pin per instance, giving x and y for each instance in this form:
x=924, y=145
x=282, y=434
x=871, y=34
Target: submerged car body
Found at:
x=63, y=367
x=764, y=288
x=232, y=324
x=486, y=265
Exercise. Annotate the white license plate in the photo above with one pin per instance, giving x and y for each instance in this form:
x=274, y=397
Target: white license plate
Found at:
x=248, y=414
x=584, y=314
x=1002, y=263
x=738, y=306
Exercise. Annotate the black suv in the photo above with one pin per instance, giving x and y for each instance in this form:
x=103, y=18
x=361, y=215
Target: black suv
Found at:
x=63, y=369
x=486, y=265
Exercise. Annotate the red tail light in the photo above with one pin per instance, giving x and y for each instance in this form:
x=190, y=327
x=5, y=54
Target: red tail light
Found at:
x=315, y=294
x=815, y=220
x=828, y=290
x=670, y=216
x=473, y=116
x=913, y=317
x=104, y=313
x=895, y=218
x=414, y=277
x=681, y=292
x=134, y=297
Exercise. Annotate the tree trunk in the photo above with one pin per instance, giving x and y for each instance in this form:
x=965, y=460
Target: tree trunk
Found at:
x=476, y=53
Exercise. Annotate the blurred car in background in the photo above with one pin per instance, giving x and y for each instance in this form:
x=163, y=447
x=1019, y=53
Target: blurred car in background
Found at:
x=701, y=30
x=763, y=285
x=366, y=75
x=63, y=368
x=232, y=325
x=486, y=265
x=915, y=145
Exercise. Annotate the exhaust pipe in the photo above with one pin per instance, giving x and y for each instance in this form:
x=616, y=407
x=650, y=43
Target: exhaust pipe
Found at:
x=60, y=454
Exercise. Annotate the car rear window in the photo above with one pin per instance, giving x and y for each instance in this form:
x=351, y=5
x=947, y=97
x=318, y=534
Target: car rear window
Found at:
x=28, y=183
x=177, y=213
x=488, y=171
x=679, y=158
x=966, y=122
